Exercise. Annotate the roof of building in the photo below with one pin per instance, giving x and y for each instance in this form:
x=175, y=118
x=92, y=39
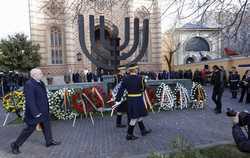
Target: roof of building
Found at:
x=197, y=26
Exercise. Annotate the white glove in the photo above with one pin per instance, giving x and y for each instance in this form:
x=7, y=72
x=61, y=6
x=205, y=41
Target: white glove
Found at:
x=115, y=105
x=38, y=115
x=236, y=118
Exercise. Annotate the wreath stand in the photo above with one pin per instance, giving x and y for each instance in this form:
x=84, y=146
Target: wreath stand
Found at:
x=8, y=113
x=166, y=98
x=6, y=118
x=85, y=108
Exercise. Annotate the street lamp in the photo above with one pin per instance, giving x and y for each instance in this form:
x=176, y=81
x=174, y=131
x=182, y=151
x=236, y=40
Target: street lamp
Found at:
x=79, y=56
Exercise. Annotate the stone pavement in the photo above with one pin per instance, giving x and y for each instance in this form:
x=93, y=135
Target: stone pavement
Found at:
x=103, y=140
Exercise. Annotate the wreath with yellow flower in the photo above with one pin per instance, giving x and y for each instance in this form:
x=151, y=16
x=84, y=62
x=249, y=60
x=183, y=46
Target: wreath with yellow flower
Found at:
x=14, y=102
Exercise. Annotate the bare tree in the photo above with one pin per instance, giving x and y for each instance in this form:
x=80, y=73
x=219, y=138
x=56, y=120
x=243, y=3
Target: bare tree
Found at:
x=198, y=10
x=170, y=45
x=195, y=10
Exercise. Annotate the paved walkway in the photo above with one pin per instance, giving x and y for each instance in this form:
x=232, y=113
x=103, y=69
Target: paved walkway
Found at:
x=105, y=141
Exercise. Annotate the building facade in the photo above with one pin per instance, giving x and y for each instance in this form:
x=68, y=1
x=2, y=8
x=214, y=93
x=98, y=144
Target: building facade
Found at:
x=198, y=43
x=53, y=25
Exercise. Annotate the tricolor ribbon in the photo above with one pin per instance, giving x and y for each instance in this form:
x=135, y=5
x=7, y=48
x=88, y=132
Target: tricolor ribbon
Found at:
x=65, y=99
x=83, y=105
x=99, y=95
x=147, y=101
x=89, y=100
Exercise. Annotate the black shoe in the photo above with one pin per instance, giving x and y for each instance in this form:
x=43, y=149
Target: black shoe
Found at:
x=218, y=112
x=14, y=148
x=143, y=129
x=143, y=133
x=240, y=101
x=52, y=143
x=120, y=126
x=131, y=137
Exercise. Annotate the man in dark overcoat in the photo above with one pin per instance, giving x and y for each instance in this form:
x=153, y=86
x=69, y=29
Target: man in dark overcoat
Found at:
x=36, y=111
x=218, y=83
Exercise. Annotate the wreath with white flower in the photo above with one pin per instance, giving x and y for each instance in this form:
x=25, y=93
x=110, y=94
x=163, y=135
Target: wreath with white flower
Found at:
x=60, y=104
x=165, y=97
x=198, y=96
x=182, y=98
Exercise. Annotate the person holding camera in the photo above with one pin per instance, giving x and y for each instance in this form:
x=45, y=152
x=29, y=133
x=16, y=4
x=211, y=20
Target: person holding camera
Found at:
x=240, y=120
x=218, y=81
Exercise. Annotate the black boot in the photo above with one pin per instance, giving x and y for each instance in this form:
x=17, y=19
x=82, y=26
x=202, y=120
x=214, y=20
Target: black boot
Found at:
x=130, y=135
x=119, y=122
x=143, y=129
x=15, y=148
x=128, y=120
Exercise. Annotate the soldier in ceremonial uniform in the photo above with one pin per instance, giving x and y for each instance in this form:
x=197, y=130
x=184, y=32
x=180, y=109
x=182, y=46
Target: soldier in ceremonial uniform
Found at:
x=234, y=79
x=123, y=107
x=135, y=86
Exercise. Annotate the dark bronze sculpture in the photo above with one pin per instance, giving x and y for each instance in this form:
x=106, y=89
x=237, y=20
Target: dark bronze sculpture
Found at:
x=112, y=50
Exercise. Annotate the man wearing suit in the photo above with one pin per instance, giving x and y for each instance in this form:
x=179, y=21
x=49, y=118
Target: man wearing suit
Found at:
x=36, y=111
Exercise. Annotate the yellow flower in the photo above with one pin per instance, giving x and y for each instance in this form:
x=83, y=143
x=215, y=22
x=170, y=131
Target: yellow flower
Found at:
x=17, y=97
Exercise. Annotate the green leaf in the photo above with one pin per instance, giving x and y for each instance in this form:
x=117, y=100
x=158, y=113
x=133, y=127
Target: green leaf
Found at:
x=18, y=54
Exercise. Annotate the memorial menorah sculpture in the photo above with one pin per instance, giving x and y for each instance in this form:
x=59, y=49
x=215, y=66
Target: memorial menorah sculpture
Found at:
x=112, y=50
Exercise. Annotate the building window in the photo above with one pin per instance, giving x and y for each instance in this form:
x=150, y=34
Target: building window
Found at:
x=197, y=44
x=145, y=57
x=190, y=60
x=56, y=46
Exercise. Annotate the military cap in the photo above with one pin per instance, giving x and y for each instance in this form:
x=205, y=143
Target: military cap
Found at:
x=133, y=66
x=121, y=68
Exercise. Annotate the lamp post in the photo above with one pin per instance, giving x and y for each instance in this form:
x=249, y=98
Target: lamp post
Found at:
x=22, y=52
x=79, y=56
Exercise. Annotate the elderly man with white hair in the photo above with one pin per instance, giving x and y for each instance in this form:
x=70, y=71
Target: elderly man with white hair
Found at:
x=36, y=111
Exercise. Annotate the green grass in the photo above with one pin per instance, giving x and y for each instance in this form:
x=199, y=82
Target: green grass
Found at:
x=219, y=151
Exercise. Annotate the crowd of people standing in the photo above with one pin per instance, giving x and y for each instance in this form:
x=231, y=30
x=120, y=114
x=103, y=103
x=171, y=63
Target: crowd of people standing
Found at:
x=11, y=81
x=220, y=80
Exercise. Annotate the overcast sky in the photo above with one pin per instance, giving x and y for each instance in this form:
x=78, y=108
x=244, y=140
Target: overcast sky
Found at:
x=14, y=16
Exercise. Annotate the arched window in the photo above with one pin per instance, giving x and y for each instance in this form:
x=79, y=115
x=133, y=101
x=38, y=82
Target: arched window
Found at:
x=145, y=57
x=204, y=59
x=197, y=44
x=56, y=46
x=189, y=60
